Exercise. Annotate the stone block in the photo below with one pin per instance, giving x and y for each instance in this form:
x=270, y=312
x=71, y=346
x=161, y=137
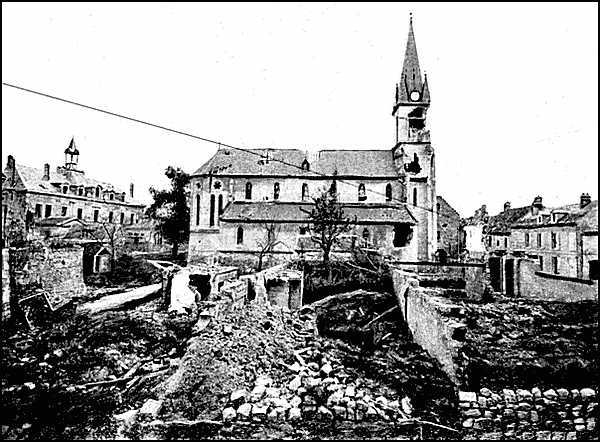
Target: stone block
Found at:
x=467, y=396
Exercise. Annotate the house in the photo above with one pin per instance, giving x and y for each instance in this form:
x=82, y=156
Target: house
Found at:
x=497, y=231
x=31, y=195
x=473, y=237
x=238, y=195
x=562, y=240
x=448, y=229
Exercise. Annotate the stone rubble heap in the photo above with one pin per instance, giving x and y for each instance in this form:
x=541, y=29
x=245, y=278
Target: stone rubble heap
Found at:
x=546, y=414
x=319, y=388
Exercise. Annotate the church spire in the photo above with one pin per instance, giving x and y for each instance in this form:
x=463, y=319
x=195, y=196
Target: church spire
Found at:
x=411, y=87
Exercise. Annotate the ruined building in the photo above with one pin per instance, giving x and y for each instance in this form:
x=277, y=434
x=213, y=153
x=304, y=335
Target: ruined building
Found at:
x=242, y=199
x=51, y=201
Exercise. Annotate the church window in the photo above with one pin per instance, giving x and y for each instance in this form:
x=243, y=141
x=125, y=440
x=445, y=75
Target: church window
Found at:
x=240, y=235
x=211, y=220
x=305, y=165
x=388, y=192
x=220, y=204
x=402, y=235
x=276, y=191
x=362, y=194
x=304, y=191
x=197, y=209
x=248, y=190
x=414, y=197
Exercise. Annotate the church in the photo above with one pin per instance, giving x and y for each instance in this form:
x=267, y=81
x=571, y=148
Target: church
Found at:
x=240, y=198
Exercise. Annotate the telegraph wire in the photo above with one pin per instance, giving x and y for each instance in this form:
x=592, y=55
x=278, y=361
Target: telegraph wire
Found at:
x=208, y=140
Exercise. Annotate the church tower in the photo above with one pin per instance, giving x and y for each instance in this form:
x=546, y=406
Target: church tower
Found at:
x=413, y=153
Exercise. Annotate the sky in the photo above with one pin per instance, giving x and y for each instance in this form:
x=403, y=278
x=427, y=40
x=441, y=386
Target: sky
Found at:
x=514, y=88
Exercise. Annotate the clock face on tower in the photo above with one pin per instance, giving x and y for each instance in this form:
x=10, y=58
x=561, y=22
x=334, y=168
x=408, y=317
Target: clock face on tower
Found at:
x=415, y=95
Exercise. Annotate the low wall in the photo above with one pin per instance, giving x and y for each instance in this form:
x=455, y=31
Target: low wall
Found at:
x=529, y=414
x=5, y=286
x=473, y=274
x=533, y=284
x=54, y=271
x=433, y=322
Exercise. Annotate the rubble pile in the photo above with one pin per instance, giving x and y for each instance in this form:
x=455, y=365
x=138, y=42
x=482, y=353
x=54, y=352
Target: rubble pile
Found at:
x=229, y=353
x=316, y=386
x=82, y=367
x=521, y=343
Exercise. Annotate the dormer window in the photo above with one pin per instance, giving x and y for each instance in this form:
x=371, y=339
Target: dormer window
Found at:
x=80, y=191
x=65, y=189
x=362, y=194
x=111, y=196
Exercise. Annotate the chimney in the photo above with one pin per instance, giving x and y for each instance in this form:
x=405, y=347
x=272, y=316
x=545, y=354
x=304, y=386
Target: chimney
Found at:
x=131, y=190
x=46, y=176
x=10, y=164
x=584, y=200
x=506, y=206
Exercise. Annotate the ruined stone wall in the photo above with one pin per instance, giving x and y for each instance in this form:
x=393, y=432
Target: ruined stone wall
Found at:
x=533, y=284
x=474, y=275
x=56, y=271
x=429, y=319
x=529, y=414
x=5, y=286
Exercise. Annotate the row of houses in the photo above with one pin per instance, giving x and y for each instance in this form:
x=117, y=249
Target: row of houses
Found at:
x=558, y=242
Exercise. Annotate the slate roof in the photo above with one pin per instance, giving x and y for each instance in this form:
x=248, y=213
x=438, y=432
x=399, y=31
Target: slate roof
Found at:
x=586, y=217
x=241, y=211
x=32, y=181
x=500, y=224
x=288, y=162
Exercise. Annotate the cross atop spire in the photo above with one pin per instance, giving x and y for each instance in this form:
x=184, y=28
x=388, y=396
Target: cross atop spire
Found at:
x=412, y=88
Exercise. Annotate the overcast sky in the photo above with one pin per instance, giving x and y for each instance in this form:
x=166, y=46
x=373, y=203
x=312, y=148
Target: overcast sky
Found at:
x=514, y=88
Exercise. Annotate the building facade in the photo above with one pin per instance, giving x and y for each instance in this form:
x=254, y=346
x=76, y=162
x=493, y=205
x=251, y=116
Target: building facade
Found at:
x=448, y=229
x=562, y=241
x=43, y=199
x=239, y=196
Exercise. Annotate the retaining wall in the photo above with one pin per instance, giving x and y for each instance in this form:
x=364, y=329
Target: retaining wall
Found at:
x=5, y=286
x=556, y=414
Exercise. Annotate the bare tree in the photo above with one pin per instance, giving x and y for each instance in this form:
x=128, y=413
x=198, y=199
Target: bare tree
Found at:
x=327, y=221
x=267, y=244
x=111, y=235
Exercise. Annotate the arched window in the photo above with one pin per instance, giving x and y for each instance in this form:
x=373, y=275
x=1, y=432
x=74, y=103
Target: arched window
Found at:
x=362, y=194
x=211, y=220
x=415, y=196
x=388, y=192
x=240, y=235
x=220, y=204
x=304, y=191
x=305, y=164
x=276, y=191
x=248, y=190
x=197, y=209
